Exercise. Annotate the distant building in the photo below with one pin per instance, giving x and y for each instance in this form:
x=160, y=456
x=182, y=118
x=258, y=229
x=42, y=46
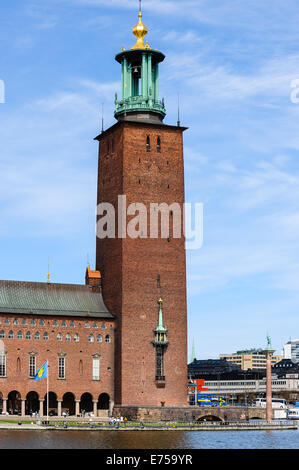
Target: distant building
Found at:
x=250, y=359
x=286, y=368
x=200, y=369
x=219, y=369
x=291, y=350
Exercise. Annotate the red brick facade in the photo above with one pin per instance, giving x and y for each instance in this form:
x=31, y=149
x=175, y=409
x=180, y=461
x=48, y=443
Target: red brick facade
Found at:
x=130, y=267
x=75, y=347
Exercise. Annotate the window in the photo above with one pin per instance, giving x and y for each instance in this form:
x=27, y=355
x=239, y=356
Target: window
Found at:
x=2, y=334
x=159, y=363
x=99, y=338
x=6, y=321
x=59, y=337
x=2, y=365
x=103, y=325
x=64, y=324
x=10, y=334
x=61, y=367
x=32, y=366
x=86, y=325
x=24, y=321
x=41, y=323
x=90, y=338
x=28, y=335
x=15, y=322
x=20, y=335
x=55, y=323
x=45, y=336
x=96, y=368
x=95, y=325
x=148, y=144
x=76, y=338
x=33, y=323
x=37, y=335
x=158, y=144
x=107, y=339
x=67, y=337
x=18, y=366
x=72, y=324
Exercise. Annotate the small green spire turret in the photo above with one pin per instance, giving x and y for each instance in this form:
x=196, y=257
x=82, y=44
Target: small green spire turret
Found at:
x=160, y=325
x=160, y=331
x=193, y=357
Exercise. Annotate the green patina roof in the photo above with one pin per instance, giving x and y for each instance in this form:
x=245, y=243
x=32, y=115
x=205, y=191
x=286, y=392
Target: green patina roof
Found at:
x=51, y=299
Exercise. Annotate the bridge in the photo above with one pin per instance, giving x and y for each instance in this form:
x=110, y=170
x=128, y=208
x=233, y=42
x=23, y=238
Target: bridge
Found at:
x=227, y=413
x=190, y=413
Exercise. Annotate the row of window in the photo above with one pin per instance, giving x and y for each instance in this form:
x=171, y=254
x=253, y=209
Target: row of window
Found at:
x=262, y=382
x=110, y=145
x=54, y=323
x=216, y=384
x=61, y=367
x=148, y=144
x=59, y=337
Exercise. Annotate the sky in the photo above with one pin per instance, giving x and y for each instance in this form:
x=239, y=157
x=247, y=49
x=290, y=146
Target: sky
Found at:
x=234, y=64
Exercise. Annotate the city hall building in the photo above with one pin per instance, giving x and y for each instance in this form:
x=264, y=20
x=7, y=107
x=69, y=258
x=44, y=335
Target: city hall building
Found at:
x=119, y=341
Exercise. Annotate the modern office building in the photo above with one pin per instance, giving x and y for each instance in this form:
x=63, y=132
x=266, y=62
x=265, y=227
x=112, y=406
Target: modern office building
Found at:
x=249, y=359
x=291, y=350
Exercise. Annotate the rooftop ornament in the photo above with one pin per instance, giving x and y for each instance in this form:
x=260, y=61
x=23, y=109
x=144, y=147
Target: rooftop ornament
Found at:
x=140, y=30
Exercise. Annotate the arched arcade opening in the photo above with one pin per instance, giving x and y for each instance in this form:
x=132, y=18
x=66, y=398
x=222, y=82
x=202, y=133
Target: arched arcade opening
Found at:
x=32, y=403
x=14, y=402
x=68, y=404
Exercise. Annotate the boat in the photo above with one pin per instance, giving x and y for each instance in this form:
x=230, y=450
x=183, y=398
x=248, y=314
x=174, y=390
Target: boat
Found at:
x=293, y=413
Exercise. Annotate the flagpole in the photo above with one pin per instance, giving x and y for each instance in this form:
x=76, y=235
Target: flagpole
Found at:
x=47, y=391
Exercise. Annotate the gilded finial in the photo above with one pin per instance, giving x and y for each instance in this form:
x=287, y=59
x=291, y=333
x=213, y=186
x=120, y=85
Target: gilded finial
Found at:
x=140, y=30
x=124, y=47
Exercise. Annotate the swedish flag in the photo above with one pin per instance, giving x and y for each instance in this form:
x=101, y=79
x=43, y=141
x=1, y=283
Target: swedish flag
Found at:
x=42, y=372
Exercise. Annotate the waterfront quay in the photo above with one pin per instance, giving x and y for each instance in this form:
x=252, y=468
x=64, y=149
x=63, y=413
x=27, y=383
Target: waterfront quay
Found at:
x=95, y=424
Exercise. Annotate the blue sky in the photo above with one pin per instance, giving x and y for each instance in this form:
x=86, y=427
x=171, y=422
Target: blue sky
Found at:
x=233, y=63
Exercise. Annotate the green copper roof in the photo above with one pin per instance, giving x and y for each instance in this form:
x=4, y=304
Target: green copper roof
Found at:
x=51, y=299
x=139, y=83
x=193, y=355
x=160, y=327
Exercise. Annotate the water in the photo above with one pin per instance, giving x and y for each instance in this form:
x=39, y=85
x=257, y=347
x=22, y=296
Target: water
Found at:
x=149, y=439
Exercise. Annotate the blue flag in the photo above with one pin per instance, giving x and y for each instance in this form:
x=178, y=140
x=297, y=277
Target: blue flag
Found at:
x=42, y=372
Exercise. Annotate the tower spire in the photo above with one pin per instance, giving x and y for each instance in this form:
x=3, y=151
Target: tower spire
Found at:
x=48, y=275
x=193, y=352
x=160, y=325
x=140, y=30
x=179, y=119
x=102, y=117
x=140, y=79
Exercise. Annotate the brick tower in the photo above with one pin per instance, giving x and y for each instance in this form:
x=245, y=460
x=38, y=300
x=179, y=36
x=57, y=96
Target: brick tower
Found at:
x=144, y=278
